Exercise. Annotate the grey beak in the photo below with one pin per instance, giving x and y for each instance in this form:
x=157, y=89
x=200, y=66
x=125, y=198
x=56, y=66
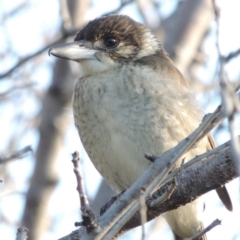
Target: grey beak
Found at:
x=73, y=51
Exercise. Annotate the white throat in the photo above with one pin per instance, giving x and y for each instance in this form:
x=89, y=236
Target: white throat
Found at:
x=90, y=67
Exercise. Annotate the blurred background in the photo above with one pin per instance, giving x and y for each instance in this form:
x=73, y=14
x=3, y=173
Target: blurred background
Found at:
x=38, y=187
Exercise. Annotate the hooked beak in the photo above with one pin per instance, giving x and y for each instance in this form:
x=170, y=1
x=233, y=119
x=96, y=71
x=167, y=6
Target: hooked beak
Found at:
x=73, y=51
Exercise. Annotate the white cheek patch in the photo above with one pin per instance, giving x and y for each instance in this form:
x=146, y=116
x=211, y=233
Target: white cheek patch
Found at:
x=149, y=45
x=124, y=50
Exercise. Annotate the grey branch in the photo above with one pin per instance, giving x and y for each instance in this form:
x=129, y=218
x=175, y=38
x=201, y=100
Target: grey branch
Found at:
x=17, y=155
x=231, y=56
x=26, y=59
x=66, y=33
x=194, y=179
x=22, y=233
x=207, y=229
x=229, y=100
x=122, y=5
x=82, y=196
x=155, y=175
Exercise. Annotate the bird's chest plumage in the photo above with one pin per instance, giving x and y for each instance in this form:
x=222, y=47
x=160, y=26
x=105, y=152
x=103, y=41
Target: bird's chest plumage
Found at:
x=123, y=114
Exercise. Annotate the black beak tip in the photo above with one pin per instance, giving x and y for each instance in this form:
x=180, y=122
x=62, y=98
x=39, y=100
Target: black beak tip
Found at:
x=49, y=51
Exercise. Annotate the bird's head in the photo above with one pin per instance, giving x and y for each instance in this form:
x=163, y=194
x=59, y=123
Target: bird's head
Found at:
x=109, y=41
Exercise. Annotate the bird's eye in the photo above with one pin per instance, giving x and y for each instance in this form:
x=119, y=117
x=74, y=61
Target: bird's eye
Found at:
x=111, y=42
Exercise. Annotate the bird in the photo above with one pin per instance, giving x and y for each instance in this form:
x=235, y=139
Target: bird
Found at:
x=130, y=100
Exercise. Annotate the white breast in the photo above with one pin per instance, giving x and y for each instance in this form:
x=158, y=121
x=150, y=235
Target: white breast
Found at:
x=124, y=113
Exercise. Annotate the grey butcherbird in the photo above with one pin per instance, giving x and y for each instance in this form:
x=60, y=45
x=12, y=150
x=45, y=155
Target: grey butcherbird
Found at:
x=129, y=100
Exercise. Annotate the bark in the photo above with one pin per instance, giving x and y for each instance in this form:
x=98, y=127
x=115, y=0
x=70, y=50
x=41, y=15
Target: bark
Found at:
x=194, y=179
x=214, y=171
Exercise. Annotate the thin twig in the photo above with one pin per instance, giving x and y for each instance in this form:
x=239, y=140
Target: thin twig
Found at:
x=143, y=214
x=88, y=216
x=229, y=100
x=150, y=157
x=123, y=4
x=65, y=35
x=22, y=233
x=207, y=229
x=82, y=196
x=14, y=88
x=10, y=14
x=24, y=60
x=231, y=56
x=17, y=155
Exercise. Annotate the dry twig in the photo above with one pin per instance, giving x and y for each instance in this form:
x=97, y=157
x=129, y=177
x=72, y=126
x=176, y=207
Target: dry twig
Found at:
x=22, y=233
x=67, y=33
x=205, y=230
x=88, y=216
x=229, y=99
x=17, y=155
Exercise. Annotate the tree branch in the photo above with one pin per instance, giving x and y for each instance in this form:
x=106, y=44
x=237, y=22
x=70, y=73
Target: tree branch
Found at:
x=194, y=179
x=17, y=155
x=128, y=203
x=207, y=229
x=231, y=56
x=66, y=33
x=22, y=233
x=229, y=100
x=26, y=59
